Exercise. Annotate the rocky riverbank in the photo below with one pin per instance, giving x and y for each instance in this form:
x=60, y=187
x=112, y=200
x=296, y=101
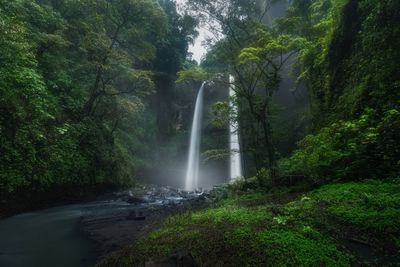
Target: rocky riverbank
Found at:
x=131, y=214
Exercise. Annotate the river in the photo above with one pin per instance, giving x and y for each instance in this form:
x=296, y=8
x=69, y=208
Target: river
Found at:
x=54, y=237
x=46, y=238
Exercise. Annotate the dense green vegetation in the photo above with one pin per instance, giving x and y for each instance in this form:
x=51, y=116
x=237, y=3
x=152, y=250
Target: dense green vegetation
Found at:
x=349, y=66
x=91, y=93
x=76, y=82
x=283, y=229
x=344, y=53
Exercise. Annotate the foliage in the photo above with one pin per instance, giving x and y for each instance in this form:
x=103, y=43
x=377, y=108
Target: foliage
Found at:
x=23, y=98
x=358, y=149
x=76, y=81
x=306, y=248
x=216, y=154
x=264, y=178
x=195, y=73
x=254, y=54
x=172, y=48
x=372, y=206
x=263, y=229
x=254, y=231
x=346, y=63
x=222, y=114
x=347, y=58
x=237, y=185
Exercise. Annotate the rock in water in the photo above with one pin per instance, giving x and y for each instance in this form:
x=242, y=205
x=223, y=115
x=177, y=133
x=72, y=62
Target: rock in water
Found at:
x=135, y=200
x=136, y=215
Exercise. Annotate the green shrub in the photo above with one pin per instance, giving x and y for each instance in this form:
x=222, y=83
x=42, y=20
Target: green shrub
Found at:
x=349, y=150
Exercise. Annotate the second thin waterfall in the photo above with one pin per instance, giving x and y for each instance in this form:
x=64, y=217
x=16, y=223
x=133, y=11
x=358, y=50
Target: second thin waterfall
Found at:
x=192, y=172
x=236, y=159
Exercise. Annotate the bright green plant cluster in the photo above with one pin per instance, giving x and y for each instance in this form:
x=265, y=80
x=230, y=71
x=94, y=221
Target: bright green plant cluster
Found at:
x=363, y=148
x=372, y=205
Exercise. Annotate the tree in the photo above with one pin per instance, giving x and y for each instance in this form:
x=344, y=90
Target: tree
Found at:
x=257, y=71
x=76, y=83
x=171, y=53
x=255, y=55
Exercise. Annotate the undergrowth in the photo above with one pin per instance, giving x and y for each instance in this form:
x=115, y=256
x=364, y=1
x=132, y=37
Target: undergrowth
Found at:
x=257, y=229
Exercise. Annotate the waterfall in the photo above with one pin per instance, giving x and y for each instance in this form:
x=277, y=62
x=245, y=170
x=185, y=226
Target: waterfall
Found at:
x=192, y=173
x=235, y=161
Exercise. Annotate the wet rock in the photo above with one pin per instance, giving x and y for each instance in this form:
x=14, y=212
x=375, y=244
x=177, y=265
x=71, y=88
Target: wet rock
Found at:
x=199, y=190
x=173, y=200
x=115, y=222
x=123, y=195
x=201, y=197
x=136, y=216
x=187, y=194
x=218, y=192
x=136, y=200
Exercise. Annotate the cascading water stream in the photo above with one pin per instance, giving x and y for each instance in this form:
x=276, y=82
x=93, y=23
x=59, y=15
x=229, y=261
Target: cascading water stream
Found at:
x=192, y=173
x=235, y=161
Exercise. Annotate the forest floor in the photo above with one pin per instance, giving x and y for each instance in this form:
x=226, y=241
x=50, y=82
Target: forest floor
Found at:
x=347, y=224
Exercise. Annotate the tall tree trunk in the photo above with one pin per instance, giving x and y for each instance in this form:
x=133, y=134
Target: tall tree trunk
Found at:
x=272, y=164
x=257, y=160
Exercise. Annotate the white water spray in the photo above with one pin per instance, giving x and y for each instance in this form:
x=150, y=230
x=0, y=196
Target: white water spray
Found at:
x=236, y=161
x=192, y=173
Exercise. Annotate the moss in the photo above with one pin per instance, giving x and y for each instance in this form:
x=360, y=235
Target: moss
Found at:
x=371, y=205
x=253, y=230
x=230, y=214
x=285, y=247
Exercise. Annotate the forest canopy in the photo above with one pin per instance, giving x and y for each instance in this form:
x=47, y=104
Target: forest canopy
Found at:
x=76, y=82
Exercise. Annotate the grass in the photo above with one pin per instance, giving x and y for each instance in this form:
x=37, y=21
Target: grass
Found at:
x=259, y=229
x=372, y=205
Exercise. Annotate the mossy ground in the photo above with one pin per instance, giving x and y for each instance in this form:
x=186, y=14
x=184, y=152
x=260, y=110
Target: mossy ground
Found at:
x=319, y=228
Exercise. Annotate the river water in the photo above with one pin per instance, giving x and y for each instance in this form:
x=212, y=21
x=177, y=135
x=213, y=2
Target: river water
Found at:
x=54, y=237
x=46, y=238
